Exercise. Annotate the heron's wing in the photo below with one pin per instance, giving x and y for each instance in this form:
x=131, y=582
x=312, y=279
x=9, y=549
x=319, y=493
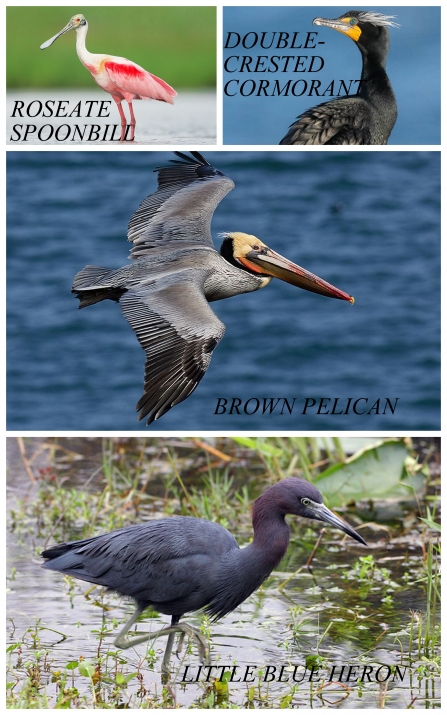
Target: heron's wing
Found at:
x=178, y=332
x=182, y=207
x=343, y=121
x=158, y=561
x=133, y=79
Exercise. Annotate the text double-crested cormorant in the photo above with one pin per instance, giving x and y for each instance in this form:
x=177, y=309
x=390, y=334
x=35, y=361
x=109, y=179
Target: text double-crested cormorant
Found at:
x=369, y=116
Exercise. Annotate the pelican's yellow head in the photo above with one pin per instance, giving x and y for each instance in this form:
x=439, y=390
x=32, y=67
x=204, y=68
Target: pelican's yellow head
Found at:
x=250, y=254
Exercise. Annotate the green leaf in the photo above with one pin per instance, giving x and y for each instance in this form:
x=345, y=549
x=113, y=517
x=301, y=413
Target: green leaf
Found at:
x=72, y=665
x=432, y=524
x=86, y=668
x=124, y=679
x=374, y=471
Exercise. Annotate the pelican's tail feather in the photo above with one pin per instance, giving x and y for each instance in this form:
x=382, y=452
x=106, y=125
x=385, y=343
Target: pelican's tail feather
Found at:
x=93, y=284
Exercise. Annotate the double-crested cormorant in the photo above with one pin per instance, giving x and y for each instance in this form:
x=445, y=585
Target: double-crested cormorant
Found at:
x=368, y=117
x=176, y=272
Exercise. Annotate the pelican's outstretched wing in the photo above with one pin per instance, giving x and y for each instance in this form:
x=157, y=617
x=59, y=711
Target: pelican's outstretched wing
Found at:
x=178, y=332
x=182, y=207
x=339, y=121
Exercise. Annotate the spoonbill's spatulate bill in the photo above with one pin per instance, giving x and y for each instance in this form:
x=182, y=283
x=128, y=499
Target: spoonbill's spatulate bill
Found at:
x=176, y=272
x=122, y=78
x=183, y=564
x=370, y=115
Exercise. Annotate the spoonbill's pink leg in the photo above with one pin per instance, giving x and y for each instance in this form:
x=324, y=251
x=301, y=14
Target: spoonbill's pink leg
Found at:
x=123, y=122
x=133, y=123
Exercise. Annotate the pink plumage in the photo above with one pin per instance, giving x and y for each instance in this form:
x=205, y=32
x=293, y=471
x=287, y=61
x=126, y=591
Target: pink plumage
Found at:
x=131, y=78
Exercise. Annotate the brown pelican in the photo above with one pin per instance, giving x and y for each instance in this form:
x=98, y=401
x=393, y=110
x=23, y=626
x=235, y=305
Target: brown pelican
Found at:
x=176, y=272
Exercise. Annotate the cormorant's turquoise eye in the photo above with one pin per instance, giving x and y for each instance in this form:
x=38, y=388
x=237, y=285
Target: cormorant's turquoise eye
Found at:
x=353, y=21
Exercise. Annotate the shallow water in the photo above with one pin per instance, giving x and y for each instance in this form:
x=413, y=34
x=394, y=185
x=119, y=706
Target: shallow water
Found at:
x=192, y=119
x=413, y=66
x=368, y=222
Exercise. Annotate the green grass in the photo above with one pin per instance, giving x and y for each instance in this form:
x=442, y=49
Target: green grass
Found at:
x=177, y=44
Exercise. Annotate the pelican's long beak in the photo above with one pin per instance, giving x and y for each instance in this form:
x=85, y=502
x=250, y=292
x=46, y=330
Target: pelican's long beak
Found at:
x=70, y=26
x=344, y=26
x=275, y=265
x=322, y=513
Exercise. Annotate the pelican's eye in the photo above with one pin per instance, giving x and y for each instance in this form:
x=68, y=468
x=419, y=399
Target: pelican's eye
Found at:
x=256, y=248
x=306, y=502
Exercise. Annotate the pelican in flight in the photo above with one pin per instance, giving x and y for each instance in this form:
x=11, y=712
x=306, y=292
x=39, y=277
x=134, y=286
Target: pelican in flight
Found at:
x=176, y=272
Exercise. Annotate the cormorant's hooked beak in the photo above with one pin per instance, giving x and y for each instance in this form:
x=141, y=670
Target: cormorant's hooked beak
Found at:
x=70, y=26
x=322, y=513
x=351, y=30
x=272, y=264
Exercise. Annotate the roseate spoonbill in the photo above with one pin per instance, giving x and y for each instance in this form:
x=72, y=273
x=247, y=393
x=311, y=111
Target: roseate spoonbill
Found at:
x=368, y=117
x=176, y=272
x=122, y=78
x=182, y=564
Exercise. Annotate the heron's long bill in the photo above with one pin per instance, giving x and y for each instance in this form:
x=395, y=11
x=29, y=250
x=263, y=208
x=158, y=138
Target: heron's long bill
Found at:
x=275, y=265
x=70, y=26
x=324, y=514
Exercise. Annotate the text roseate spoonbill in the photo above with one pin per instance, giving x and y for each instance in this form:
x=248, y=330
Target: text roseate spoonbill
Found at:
x=122, y=78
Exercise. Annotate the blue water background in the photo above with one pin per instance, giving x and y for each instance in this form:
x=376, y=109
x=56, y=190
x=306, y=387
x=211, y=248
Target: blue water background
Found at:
x=413, y=66
x=368, y=222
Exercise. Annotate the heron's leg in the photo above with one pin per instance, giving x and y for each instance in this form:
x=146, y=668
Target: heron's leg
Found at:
x=169, y=644
x=123, y=122
x=123, y=642
x=133, y=123
x=180, y=644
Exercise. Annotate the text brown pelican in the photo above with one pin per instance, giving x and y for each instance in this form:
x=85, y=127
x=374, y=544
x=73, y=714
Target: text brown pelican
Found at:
x=176, y=272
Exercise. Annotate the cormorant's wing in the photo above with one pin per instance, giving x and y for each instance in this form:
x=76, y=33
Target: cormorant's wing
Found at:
x=339, y=121
x=182, y=207
x=178, y=332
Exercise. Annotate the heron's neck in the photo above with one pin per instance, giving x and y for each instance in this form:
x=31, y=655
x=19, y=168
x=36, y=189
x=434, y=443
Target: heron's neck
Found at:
x=271, y=534
x=244, y=570
x=82, y=52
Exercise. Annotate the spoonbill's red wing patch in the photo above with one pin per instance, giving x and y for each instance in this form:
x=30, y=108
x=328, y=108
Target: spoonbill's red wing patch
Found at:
x=130, y=71
x=135, y=80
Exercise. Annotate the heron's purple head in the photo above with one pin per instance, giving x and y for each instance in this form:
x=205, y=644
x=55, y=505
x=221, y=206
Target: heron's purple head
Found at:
x=297, y=496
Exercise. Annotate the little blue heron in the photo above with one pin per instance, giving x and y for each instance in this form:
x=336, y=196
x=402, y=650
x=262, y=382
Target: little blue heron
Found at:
x=183, y=564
